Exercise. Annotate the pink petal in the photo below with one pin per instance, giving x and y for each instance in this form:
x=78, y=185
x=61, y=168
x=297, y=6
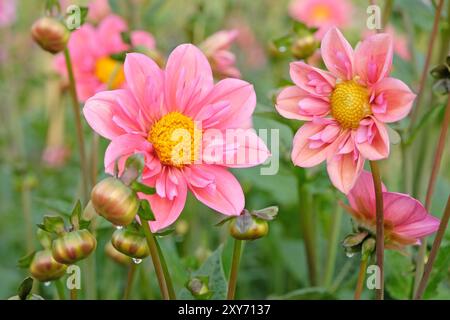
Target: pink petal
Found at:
x=337, y=54
x=302, y=153
x=344, y=170
x=188, y=79
x=124, y=146
x=373, y=58
x=236, y=148
x=142, y=39
x=362, y=196
x=109, y=34
x=373, y=142
x=241, y=98
x=397, y=97
x=223, y=194
x=287, y=103
x=316, y=82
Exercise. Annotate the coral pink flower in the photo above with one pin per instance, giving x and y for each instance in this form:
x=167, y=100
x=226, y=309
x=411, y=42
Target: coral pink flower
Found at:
x=159, y=107
x=217, y=50
x=322, y=14
x=91, y=49
x=400, y=42
x=346, y=108
x=7, y=12
x=406, y=221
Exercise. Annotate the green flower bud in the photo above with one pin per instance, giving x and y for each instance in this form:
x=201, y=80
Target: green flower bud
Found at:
x=45, y=268
x=368, y=247
x=115, y=201
x=73, y=246
x=117, y=256
x=130, y=243
x=199, y=288
x=304, y=47
x=353, y=240
x=50, y=34
x=248, y=227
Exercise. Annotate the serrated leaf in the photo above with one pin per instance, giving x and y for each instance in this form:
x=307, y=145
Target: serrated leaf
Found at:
x=140, y=187
x=25, y=261
x=268, y=213
x=25, y=288
x=145, y=212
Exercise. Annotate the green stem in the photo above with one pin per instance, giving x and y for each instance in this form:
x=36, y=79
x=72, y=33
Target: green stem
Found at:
x=361, y=277
x=333, y=246
x=434, y=251
x=379, y=226
x=129, y=284
x=28, y=220
x=78, y=126
x=73, y=294
x=156, y=260
x=387, y=12
x=60, y=289
x=169, y=283
x=94, y=158
x=234, y=269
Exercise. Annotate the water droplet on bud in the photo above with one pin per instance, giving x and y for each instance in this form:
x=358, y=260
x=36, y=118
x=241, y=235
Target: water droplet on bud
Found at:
x=136, y=261
x=119, y=227
x=349, y=254
x=47, y=284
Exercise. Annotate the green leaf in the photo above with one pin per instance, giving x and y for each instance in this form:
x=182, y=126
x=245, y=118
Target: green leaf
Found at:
x=75, y=216
x=25, y=261
x=120, y=56
x=25, y=288
x=399, y=274
x=422, y=123
x=145, y=212
x=439, y=272
x=212, y=269
x=45, y=238
x=52, y=224
x=84, y=12
x=140, y=187
x=126, y=37
x=52, y=4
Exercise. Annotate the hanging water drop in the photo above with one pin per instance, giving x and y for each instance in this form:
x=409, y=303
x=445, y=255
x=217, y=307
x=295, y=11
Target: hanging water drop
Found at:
x=119, y=227
x=136, y=261
x=47, y=284
x=349, y=254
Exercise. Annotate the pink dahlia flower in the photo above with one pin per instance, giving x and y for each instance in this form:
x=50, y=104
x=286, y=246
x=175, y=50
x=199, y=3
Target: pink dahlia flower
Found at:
x=7, y=12
x=91, y=49
x=406, y=221
x=322, y=14
x=346, y=108
x=185, y=126
x=401, y=47
x=217, y=50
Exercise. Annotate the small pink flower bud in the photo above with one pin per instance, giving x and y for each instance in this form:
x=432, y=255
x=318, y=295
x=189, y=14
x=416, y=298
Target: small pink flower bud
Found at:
x=117, y=256
x=130, y=243
x=73, y=246
x=50, y=34
x=45, y=268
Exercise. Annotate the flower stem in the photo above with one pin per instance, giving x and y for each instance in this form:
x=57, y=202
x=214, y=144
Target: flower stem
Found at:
x=60, y=289
x=73, y=294
x=426, y=65
x=420, y=262
x=78, y=125
x=156, y=260
x=380, y=226
x=130, y=278
x=332, y=246
x=434, y=251
x=361, y=277
x=234, y=269
x=94, y=158
x=169, y=283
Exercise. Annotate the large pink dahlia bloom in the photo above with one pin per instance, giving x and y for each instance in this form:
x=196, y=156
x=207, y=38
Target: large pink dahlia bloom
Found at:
x=189, y=130
x=91, y=49
x=406, y=221
x=346, y=108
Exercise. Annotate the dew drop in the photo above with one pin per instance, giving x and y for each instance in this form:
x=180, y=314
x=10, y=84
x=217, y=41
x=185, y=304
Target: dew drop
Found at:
x=119, y=227
x=47, y=284
x=136, y=261
x=349, y=254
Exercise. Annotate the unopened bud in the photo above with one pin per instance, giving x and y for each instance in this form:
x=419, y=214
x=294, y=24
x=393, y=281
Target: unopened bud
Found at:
x=353, y=240
x=45, y=268
x=116, y=255
x=248, y=227
x=368, y=247
x=115, y=201
x=304, y=47
x=50, y=34
x=73, y=246
x=199, y=288
x=130, y=243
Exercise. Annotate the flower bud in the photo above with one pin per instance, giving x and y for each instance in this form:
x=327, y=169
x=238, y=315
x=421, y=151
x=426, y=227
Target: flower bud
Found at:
x=248, y=227
x=130, y=243
x=50, y=34
x=116, y=255
x=45, y=268
x=353, y=240
x=368, y=247
x=199, y=288
x=115, y=201
x=73, y=246
x=304, y=47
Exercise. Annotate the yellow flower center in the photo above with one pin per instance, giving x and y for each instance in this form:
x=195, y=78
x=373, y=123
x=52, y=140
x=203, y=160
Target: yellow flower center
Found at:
x=110, y=72
x=175, y=138
x=350, y=104
x=321, y=13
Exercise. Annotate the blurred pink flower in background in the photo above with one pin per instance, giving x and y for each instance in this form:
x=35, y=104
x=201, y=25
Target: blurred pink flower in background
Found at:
x=7, y=12
x=401, y=47
x=55, y=156
x=98, y=9
x=91, y=49
x=155, y=105
x=346, y=108
x=217, y=50
x=406, y=220
x=322, y=14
